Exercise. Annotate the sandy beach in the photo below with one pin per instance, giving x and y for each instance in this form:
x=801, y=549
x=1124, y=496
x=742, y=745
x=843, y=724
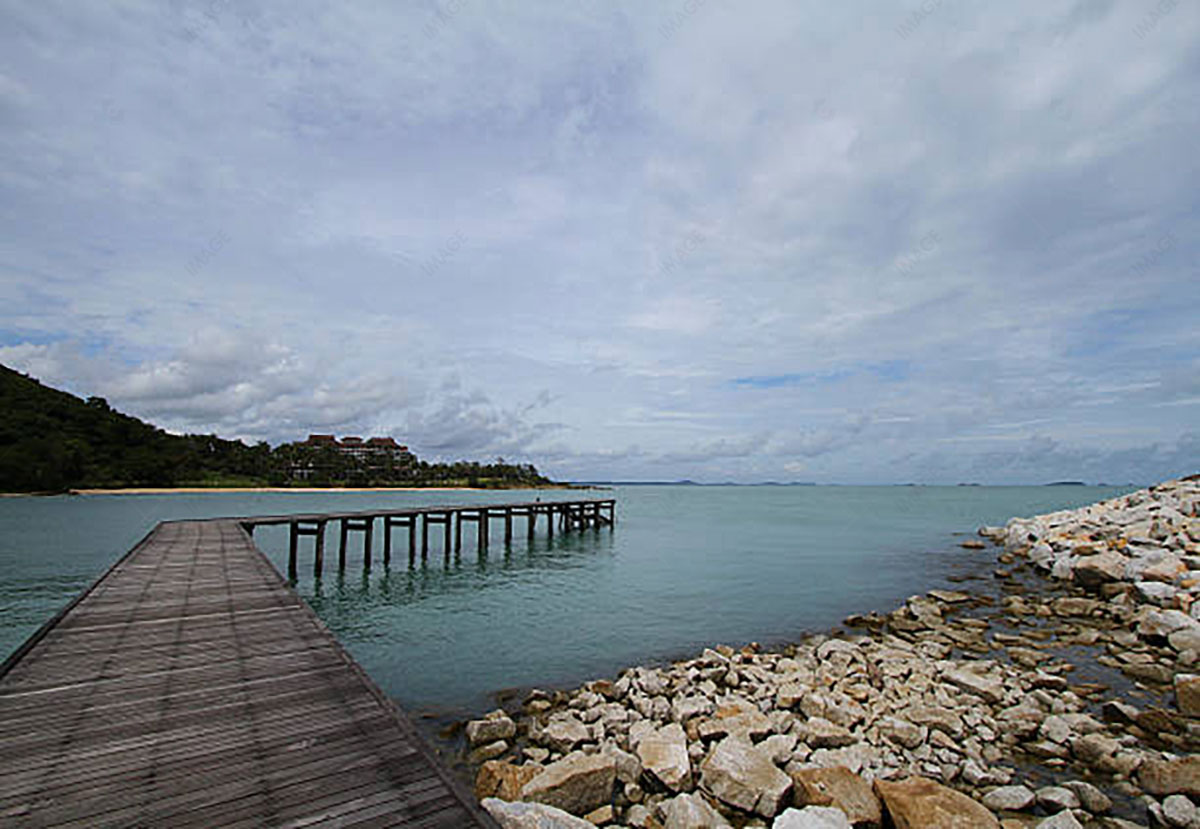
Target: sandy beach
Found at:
x=197, y=490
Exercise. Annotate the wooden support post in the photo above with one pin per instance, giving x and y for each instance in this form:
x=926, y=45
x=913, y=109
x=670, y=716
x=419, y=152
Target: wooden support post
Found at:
x=293, y=541
x=424, y=536
x=342, y=545
x=412, y=539
x=550, y=522
x=387, y=540
x=319, y=556
x=446, y=538
x=368, y=539
x=457, y=530
x=508, y=525
x=531, y=522
x=483, y=529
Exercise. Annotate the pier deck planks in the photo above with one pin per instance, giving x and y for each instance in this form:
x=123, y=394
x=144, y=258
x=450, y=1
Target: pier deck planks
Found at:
x=190, y=686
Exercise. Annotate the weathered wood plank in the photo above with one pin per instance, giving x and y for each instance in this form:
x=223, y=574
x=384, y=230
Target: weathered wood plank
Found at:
x=191, y=686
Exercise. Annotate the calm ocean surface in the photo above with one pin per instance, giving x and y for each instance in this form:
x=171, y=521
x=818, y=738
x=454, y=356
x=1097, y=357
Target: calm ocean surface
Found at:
x=685, y=567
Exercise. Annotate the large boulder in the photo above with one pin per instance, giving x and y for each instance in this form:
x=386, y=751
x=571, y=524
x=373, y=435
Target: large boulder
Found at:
x=664, y=756
x=1179, y=776
x=498, y=778
x=578, y=783
x=813, y=817
x=692, y=811
x=838, y=787
x=531, y=816
x=1094, y=571
x=920, y=803
x=742, y=775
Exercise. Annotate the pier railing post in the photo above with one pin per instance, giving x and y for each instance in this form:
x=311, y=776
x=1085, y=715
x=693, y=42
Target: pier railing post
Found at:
x=387, y=540
x=368, y=539
x=342, y=545
x=293, y=543
x=319, y=553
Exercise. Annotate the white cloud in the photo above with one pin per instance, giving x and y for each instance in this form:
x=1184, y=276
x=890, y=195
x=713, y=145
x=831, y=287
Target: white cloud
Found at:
x=262, y=221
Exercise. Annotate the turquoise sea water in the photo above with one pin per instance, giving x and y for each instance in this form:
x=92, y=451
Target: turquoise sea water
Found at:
x=684, y=568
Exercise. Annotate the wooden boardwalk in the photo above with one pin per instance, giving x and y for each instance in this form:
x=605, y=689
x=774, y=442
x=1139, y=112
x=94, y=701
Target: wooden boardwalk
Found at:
x=190, y=686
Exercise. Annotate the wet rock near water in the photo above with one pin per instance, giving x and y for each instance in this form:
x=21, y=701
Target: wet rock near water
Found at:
x=1068, y=694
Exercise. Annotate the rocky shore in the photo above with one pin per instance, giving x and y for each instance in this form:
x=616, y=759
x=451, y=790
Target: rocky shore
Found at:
x=1062, y=694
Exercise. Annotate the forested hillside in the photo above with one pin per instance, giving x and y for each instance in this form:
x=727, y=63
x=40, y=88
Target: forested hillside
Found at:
x=51, y=441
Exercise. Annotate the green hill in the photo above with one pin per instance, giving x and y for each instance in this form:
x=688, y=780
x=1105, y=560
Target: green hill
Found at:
x=51, y=441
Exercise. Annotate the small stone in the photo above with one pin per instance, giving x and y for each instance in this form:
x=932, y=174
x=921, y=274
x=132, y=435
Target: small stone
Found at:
x=638, y=816
x=1090, y=797
x=1094, y=749
x=600, y=817
x=1062, y=820
x=1056, y=729
x=812, y=817
x=989, y=688
x=564, y=733
x=1187, y=694
x=901, y=732
x=1012, y=798
x=821, y=733
x=487, y=752
x=1166, y=777
x=497, y=778
x=1180, y=811
x=1056, y=798
x=531, y=816
x=692, y=810
x=496, y=726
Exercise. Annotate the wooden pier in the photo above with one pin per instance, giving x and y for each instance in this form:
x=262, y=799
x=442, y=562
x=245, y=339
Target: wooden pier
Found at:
x=416, y=521
x=190, y=686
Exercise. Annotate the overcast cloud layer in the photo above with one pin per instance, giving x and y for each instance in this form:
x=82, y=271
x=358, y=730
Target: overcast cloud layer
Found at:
x=938, y=242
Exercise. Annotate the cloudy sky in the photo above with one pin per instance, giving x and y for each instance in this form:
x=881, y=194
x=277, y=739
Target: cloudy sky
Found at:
x=942, y=241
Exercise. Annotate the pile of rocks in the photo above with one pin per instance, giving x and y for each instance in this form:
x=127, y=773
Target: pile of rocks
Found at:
x=922, y=719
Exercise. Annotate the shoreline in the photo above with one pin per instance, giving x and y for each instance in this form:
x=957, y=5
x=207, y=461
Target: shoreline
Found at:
x=196, y=490
x=1059, y=674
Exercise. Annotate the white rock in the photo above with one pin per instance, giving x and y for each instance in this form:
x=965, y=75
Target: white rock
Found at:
x=1063, y=820
x=692, y=811
x=1155, y=591
x=531, y=815
x=496, y=726
x=664, y=756
x=1009, y=797
x=813, y=817
x=1180, y=811
x=578, y=783
x=1056, y=798
x=742, y=775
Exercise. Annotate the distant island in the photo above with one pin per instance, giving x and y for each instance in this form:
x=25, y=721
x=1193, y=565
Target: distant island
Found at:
x=52, y=441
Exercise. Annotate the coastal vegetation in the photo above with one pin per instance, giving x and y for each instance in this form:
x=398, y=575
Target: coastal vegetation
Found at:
x=53, y=441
